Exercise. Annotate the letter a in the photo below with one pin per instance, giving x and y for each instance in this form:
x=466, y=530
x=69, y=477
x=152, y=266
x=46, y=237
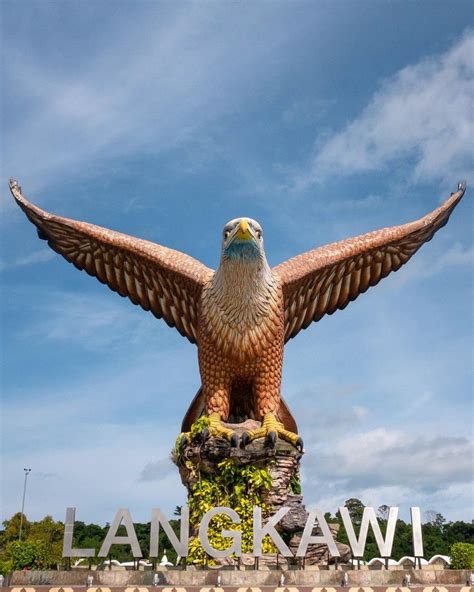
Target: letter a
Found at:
x=308, y=538
x=122, y=515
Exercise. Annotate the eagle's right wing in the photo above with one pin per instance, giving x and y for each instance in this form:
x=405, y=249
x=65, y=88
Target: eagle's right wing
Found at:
x=164, y=281
x=326, y=279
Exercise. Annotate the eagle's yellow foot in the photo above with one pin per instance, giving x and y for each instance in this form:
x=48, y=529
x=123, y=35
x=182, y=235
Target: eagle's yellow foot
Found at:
x=217, y=430
x=272, y=429
x=205, y=427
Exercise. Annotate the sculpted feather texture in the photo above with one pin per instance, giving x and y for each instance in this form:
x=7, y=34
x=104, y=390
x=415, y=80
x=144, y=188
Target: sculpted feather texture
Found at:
x=239, y=307
x=241, y=315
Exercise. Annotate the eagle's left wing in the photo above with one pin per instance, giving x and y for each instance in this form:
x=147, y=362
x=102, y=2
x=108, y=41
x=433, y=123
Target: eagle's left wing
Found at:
x=326, y=279
x=164, y=281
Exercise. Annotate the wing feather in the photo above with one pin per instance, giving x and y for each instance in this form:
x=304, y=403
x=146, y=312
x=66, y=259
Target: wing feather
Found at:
x=166, y=282
x=326, y=279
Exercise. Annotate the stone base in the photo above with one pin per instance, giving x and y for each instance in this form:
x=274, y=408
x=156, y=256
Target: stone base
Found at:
x=282, y=463
x=233, y=577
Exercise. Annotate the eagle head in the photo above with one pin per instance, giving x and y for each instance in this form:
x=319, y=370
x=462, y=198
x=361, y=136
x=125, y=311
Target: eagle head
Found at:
x=242, y=240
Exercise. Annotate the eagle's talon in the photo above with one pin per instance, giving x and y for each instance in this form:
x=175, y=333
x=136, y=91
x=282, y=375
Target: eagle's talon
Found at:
x=271, y=430
x=217, y=430
x=299, y=444
x=244, y=439
x=204, y=435
x=184, y=441
x=271, y=439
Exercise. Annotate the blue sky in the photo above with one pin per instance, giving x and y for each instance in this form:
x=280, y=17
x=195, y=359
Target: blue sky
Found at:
x=163, y=120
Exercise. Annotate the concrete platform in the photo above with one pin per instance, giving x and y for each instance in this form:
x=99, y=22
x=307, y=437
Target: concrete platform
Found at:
x=195, y=578
x=225, y=588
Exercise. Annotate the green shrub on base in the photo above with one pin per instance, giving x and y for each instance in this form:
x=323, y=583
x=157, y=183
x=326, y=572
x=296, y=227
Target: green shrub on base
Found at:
x=6, y=567
x=234, y=486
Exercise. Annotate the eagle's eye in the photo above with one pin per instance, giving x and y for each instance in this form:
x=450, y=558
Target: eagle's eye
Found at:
x=259, y=234
x=226, y=234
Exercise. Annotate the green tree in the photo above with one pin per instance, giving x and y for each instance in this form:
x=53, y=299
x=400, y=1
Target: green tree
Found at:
x=41, y=544
x=22, y=554
x=356, y=509
x=435, y=518
x=46, y=530
x=383, y=512
x=48, y=535
x=403, y=535
x=89, y=536
x=11, y=530
x=6, y=566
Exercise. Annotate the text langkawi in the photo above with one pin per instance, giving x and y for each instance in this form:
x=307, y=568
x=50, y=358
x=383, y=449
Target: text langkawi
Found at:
x=315, y=519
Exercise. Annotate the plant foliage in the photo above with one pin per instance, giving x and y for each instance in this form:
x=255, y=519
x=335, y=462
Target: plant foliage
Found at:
x=462, y=556
x=295, y=485
x=234, y=486
x=40, y=547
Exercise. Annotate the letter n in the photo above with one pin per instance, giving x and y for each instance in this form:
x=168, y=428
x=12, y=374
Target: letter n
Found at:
x=180, y=546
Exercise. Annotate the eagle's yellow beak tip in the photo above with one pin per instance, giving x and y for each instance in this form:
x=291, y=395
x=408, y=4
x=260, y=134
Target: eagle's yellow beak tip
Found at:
x=244, y=226
x=244, y=230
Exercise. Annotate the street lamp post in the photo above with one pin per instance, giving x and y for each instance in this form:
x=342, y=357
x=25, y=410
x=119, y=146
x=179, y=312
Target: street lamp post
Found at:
x=27, y=472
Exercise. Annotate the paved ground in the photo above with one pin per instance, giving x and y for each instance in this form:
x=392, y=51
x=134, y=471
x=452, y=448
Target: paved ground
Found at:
x=239, y=589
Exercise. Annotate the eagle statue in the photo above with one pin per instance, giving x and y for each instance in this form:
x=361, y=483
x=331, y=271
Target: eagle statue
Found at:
x=241, y=315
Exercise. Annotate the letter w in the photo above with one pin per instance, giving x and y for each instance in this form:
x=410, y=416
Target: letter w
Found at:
x=369, y=517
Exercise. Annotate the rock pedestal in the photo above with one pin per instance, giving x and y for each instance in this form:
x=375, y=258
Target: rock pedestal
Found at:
x=197, y=459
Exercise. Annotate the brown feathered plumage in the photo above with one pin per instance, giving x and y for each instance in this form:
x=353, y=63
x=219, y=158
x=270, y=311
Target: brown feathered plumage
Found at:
x=241, y=315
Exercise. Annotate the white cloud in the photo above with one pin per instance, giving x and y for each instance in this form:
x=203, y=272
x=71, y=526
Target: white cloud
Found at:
x=158, y=470
x=331, y=422
x=393, y=467
x=423, y=113
x=96, y=469
x=157, y=83
x=349, y=204
x=37, y=257
x=120, y=101
x=378, y=394
x=98, y=439
x=430, y=262
x=383, y=457
x=452, y=501
x=91, y=320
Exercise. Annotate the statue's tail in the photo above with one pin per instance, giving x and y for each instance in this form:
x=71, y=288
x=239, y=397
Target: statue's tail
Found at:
x=195, y=410
x=198, y=408
x=286, y=417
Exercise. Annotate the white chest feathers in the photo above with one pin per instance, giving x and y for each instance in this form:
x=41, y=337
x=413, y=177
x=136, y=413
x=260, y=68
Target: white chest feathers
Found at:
x=241, y=308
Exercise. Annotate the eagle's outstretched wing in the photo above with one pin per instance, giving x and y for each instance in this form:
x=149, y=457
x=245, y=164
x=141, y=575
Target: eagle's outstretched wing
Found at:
x=164, y=281
x=326, y=279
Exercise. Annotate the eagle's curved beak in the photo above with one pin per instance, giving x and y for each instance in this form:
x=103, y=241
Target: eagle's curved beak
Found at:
x=243, y=231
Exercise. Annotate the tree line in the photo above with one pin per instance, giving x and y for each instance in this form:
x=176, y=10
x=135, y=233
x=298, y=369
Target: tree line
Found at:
x=438, y=535
x=41, y=542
